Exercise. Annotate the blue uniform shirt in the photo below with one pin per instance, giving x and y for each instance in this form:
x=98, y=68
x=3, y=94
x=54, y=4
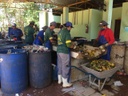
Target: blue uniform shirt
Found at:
x=17, y=33
x=41, y=35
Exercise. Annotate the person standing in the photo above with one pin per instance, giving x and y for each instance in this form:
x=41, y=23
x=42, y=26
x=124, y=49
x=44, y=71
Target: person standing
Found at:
x=48, y=37
x=105, y=39
x=29, y=33
x=15, y=33
x=39, y=40
x=63, y=54
x=36, y=29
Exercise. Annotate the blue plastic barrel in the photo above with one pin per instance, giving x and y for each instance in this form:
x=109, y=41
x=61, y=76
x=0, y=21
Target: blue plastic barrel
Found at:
x=40, y=69
x=14, y=77
x=8, y=47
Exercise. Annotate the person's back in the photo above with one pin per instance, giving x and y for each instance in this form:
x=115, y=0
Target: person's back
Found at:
x=63, y=36
x=29, y=32
x=48, y=37
x=49, y=33
x=37, y=41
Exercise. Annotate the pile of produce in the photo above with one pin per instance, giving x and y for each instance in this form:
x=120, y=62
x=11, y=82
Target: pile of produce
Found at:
x=101, y=65
x=35, y=48
x=90, y=52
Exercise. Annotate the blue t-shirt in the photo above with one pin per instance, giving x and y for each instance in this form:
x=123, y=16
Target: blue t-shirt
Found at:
x=41, y=35
x=17, y=33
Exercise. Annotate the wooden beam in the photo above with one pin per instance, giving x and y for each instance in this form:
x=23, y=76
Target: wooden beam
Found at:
x=58, y=8
x=76, y=8
x=78, y=3
x=91, y=4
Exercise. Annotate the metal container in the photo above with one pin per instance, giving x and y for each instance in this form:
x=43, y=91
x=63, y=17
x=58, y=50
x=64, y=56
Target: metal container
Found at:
x=14, y=78
x=40, y=69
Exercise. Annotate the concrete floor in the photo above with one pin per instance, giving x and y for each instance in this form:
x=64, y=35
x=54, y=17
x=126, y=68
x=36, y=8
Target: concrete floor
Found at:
x=80, y=88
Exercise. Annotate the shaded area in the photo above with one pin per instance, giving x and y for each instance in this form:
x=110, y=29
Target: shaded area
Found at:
x=53, y=90
x=122, y=90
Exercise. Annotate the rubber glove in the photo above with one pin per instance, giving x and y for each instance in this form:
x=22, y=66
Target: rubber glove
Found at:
x=104, y=46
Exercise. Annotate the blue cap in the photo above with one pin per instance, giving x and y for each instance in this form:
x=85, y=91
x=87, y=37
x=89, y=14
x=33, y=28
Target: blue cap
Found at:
x=68, y=24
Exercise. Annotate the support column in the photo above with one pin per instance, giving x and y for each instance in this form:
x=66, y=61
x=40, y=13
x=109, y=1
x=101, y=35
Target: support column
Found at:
x=43, y=19
x=107, y=15
x=50, y=17
x=65, y=15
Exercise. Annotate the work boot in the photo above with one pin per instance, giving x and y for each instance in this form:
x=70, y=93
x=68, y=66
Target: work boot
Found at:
x=65, y=83
x=59, y=79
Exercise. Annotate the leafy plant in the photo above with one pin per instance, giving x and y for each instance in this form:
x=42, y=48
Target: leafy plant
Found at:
x=20, y=13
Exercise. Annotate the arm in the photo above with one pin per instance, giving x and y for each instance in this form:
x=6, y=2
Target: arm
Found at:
x=68, y=41
x=21, y=33
x=40, y=39
x=111, y=37
x=99, y=33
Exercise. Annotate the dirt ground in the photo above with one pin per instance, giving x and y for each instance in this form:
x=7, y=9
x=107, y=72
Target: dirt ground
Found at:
x=122, y=90
x=56, y=90
x=53, y=90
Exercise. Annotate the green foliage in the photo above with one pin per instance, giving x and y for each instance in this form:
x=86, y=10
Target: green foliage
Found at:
x=20, y=13
x=32, y=13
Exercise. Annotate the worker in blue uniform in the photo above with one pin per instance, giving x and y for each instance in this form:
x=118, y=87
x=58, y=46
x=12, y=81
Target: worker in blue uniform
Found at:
x=15, y=33
x=39, y=40
x=105, y=39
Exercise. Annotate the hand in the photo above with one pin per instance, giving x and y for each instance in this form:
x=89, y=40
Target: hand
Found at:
x=102, y=47
x=106, y=45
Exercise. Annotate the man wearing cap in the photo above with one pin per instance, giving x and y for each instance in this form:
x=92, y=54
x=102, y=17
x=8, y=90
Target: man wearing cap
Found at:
x=63, y=54
x=39, y=40
x=105, y=39
x=48, y=37
x=15, y=33
x=29, y=33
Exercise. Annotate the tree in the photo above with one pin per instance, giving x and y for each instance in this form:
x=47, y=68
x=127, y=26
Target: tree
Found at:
x=20, y=13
